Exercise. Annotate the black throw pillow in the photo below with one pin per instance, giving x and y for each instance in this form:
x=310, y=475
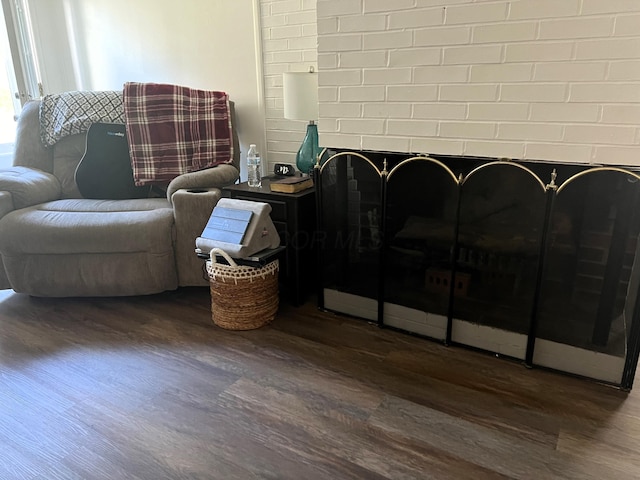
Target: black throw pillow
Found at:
x=104, y=172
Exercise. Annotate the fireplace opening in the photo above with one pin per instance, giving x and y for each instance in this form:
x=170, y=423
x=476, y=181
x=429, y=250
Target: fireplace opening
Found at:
x=531, y=260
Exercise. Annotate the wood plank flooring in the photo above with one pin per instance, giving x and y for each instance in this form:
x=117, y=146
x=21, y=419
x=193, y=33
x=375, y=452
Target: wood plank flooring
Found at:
x=148, y=388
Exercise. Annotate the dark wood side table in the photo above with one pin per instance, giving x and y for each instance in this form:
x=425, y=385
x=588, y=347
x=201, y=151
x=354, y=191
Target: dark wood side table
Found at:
x=294, y=216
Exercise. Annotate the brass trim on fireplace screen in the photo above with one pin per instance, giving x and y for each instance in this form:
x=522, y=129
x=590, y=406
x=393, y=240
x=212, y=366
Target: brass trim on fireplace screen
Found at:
x=355, y=154
x=596, y=169
x=429, y=159
x=511, y=164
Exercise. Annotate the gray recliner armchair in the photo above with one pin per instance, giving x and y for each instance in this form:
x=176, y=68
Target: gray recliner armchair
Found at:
x=55, y=243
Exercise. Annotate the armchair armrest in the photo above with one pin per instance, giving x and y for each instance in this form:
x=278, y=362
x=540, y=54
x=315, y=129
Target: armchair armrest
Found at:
x=6, y=203
x=29, y=186
x=216, y=177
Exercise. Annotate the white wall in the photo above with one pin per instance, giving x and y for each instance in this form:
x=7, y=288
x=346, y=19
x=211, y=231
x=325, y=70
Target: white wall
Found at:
x=535, y=79
x=212, y=44
x=51, y=44
x=240, y=46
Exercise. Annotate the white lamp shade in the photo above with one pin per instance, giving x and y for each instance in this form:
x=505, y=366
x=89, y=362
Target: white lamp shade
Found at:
x=300, y=92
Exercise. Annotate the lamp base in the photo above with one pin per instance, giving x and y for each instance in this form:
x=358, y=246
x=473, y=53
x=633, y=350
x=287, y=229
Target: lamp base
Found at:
x=309, y=150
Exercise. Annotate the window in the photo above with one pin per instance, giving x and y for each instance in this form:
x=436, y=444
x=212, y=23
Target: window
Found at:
x=20, y=80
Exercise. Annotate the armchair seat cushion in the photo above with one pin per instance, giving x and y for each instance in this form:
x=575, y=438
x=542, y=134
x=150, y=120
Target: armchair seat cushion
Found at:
x=89, y=226
x=90, y=247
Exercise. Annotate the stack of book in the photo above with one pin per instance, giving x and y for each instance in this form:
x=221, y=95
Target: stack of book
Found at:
x=291, y=184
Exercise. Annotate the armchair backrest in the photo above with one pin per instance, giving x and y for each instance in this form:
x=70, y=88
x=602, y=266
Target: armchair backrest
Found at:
x=29, y=150
x=60, y=160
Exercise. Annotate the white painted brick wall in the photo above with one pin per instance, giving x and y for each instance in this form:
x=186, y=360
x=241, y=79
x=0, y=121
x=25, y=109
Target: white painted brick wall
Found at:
x=499, y=68
x=289, y=43
x=537, y=79
x=474, y=12
x=442, y=36
x=384, y=110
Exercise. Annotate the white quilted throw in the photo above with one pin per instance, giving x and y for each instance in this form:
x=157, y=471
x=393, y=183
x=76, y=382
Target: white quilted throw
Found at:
x=68, y=113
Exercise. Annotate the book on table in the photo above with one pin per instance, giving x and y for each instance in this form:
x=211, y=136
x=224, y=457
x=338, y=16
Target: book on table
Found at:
x=291, y=184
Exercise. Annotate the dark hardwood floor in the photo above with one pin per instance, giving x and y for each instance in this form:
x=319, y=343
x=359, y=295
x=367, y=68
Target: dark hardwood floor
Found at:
x=149, y=388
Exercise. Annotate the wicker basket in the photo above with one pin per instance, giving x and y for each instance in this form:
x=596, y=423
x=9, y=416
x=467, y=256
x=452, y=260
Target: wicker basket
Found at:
x=242, y=297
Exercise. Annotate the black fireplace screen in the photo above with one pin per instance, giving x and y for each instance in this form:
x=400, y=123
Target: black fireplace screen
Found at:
x=530, y=260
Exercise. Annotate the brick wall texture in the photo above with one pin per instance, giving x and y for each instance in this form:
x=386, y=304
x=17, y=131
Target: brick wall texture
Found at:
x=289, y=43
x=534, y=79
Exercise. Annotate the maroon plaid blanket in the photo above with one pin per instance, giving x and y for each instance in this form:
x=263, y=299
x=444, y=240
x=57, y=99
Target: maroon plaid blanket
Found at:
x=174, y=130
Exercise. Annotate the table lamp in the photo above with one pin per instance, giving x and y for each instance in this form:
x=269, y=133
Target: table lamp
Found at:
x=300, y=92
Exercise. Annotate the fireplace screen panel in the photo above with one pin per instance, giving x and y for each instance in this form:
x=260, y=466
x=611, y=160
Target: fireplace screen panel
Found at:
x=502, y=211
x=350, y=213
x=590, y=282
x=420, y=220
